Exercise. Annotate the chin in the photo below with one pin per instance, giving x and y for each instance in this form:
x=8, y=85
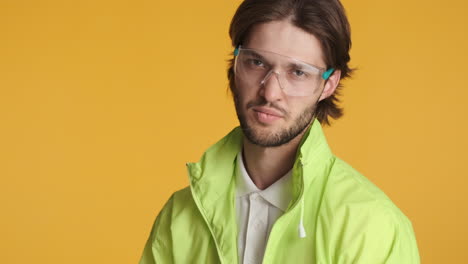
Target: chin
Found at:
x=265, y=135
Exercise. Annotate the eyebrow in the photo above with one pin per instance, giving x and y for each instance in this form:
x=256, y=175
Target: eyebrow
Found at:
x=254, y=54
x=297, y=65
x=303, y=66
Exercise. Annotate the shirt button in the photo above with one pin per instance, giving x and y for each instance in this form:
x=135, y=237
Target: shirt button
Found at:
x=255, y=196
x=258, y=224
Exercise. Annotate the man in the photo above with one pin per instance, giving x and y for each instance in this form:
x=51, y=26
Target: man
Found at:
x=271, y=191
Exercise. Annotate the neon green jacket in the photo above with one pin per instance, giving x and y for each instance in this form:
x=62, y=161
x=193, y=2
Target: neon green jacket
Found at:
x=344, y=217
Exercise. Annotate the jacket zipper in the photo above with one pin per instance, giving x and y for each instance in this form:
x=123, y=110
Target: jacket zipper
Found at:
x=301, y=193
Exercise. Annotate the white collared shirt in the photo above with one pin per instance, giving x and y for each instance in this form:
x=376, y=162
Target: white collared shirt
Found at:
x=257, y=210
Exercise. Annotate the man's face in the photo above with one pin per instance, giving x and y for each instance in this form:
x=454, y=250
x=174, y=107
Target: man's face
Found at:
x=267, y=115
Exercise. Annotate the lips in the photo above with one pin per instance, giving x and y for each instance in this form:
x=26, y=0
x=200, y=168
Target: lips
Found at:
x=268, y=111
x=267, y=115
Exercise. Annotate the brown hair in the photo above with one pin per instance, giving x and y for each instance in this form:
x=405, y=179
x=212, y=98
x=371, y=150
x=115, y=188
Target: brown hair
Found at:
x=325, y=19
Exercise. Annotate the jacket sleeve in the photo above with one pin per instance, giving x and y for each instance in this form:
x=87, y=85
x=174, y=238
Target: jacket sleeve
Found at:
x=381, y=235
x=158, y=248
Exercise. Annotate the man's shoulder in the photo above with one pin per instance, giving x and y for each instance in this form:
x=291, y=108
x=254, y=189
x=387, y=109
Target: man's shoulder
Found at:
x=179, y=210
x=180, y=200
x=352, y=186
x=183, y=193
x=348, y=193
x=356, y=214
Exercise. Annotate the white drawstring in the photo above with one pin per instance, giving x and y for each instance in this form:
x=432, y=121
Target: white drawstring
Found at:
x=302, y=232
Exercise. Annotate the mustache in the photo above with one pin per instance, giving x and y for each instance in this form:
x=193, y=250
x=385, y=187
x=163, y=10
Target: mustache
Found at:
x=264, y=103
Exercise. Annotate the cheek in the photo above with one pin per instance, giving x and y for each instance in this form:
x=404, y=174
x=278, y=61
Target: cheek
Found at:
x=244, y=92
x=300, y=105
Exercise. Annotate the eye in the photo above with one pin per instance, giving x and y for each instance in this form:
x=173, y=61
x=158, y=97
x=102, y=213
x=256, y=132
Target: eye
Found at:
x=256, y=62
x=299, y=73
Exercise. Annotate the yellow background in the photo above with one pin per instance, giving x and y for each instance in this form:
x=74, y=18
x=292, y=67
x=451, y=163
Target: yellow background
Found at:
x=103, y=102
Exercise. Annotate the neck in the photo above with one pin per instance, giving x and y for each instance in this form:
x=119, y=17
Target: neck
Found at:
x=266, y=165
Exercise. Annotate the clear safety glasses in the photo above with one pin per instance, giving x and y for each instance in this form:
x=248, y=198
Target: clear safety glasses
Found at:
x=296, y=78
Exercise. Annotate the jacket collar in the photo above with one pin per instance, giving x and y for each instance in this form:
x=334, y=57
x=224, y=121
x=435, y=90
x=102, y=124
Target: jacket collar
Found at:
x=212, y=186
x=312, y=157
x=212, y=182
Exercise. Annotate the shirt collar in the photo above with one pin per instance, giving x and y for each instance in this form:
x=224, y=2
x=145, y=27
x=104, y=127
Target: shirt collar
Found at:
x=278, y=194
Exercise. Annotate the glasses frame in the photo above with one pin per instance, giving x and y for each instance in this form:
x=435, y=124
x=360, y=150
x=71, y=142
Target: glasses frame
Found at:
x=326, y=73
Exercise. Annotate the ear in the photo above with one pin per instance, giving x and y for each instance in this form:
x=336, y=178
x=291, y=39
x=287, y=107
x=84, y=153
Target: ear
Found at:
x=330, y=85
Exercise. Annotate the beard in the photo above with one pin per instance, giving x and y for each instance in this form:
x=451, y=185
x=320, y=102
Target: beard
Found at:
x=278, y=138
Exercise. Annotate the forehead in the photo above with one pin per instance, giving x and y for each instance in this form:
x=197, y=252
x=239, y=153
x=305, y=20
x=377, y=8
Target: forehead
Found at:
x=284, y=38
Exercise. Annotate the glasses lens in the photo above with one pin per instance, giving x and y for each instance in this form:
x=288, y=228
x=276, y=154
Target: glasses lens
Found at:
x=296, y=78
x=302, y=79
x=251, y=66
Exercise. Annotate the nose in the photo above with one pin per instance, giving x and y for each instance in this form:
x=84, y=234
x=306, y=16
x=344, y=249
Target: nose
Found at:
x=271, y=88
